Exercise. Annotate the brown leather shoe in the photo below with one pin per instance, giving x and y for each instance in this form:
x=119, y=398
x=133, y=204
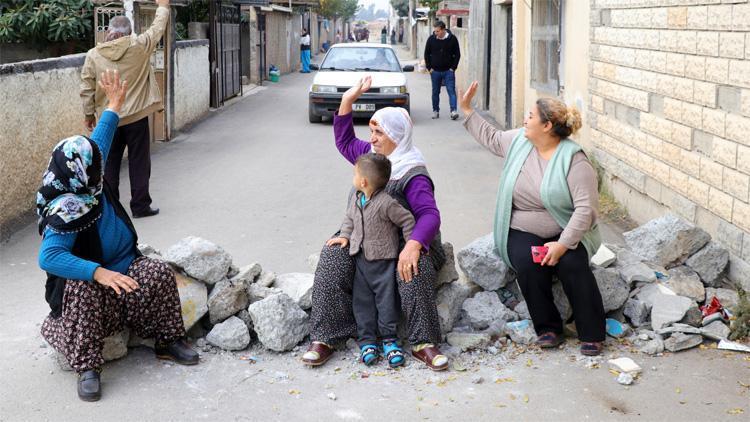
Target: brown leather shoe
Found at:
x=429, y=355
x=317, y=354
x=549, y=340
x=592, y=348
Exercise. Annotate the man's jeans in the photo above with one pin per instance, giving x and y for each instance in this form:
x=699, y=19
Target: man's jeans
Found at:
x=438, y=79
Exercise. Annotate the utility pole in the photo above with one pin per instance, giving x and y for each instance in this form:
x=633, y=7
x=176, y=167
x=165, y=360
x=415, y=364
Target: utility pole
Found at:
x=412, y=29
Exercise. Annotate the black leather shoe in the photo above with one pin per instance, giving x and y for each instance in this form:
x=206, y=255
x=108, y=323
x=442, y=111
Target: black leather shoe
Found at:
x=179, y=351
x=148, y=213
x=89, y=386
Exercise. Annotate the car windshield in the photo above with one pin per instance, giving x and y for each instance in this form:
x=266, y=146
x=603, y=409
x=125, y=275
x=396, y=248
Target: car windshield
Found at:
x=374, y=59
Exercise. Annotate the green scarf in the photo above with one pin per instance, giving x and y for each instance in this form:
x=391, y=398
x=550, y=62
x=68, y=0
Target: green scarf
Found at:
x=554, y=191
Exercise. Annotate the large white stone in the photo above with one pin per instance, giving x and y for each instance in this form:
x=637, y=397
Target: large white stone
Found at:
x=486, y=308
x=603, y=257
x=447, y=273
x=686, y=282
x=667, y=240
x=200, y=259
x=193, y=299
x=449, y=299
x=279, y=322
x=226, y=299
x=231, y=334
x=668, y=309
x=482, y=265
x=298, y=286
x=710, y=263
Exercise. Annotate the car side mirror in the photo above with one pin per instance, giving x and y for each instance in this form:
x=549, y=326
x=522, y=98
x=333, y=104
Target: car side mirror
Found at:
x=314, y=66
x=408, y=68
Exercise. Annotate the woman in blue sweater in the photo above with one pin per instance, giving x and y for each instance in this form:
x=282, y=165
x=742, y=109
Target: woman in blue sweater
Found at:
x=98, y=282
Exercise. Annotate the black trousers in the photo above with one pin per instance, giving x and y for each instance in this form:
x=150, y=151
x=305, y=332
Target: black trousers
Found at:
x=578, y=282
x=135, y=136
x=375, y=299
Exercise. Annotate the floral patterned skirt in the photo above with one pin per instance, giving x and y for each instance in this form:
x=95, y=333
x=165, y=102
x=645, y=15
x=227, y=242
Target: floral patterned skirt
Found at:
x=91, y=312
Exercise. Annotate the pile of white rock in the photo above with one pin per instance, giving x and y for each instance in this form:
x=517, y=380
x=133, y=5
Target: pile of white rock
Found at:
x=652, y=290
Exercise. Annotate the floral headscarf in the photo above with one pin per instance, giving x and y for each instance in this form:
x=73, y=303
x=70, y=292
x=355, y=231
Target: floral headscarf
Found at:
x=69, y=199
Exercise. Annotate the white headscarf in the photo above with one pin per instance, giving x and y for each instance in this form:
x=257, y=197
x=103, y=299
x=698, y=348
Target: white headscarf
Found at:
x=397, y=124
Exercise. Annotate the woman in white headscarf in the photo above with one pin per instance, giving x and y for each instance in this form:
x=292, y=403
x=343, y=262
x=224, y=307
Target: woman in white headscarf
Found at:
x=421, y=257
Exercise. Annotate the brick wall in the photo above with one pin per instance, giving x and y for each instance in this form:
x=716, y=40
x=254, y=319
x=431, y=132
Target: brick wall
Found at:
x=670, y=109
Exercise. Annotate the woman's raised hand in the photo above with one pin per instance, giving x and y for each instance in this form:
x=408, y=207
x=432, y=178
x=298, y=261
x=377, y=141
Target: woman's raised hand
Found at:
x=114, y=89
x=114, y=280
x=464, y=100
x=351, y=95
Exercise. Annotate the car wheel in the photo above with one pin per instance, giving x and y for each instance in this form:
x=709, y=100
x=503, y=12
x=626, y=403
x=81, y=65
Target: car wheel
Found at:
x=314, y=118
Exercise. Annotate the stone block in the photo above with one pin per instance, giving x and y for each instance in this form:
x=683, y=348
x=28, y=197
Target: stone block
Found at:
x=279, y=322
x=716, y=330
x=297, y=286
x=450, y=298
x=709, y=262
x=193, y=299
x=686, y=282
x=116, y=345
x=680, y=341
x=482, y=265
x=667, y=240
x=468, y=341
x=521, y=332
x=668, y=309
x=226, y=299
x=447, y=273
x=639, y=312
x=200, y=258
x=484, y=309
x=231, y=334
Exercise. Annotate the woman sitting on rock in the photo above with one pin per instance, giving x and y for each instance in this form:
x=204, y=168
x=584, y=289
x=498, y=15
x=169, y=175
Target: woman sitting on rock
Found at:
x=548, y=197
x=421, y=256
x=98, y=283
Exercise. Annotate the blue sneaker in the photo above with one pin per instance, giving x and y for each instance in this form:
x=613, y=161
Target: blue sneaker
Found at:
x=393, y=354
x=368, y=354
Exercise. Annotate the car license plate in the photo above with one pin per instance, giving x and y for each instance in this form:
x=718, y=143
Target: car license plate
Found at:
x=363, y=107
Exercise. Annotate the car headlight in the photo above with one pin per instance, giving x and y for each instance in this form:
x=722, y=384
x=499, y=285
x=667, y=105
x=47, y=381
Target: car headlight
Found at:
x=324, y=89
x=393, y=89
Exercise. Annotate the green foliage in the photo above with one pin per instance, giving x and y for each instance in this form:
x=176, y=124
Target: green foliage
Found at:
x=432, y=4
x=41, y=22
x=401, y=7
x=335, y=9
x=741, y=325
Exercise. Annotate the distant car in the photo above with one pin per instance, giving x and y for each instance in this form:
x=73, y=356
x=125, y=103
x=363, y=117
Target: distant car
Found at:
x=344, y=65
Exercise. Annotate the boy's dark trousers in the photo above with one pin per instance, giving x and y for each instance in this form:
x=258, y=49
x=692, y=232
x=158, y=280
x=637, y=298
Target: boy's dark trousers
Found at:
x=375, y=299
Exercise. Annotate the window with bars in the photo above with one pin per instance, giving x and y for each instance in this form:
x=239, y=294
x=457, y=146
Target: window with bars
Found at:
x=545, y=45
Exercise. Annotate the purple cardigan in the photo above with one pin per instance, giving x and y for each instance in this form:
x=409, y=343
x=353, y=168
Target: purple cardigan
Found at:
x=418, y=191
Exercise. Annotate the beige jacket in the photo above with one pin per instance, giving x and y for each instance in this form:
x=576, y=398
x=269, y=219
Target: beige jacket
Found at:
x=375, y=227
x=131, y=56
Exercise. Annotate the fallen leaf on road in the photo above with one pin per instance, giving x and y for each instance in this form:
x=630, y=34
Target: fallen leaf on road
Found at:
x=512, y=397
x=529, y=363
x=500, y=405
x=294, y=392
x=526, y=398
x=502, y=380
x=678, y=390
x=735, y=411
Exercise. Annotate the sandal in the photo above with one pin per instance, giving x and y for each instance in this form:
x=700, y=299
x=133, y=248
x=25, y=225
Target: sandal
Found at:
x=393, y=354
x=549, y=340
x=317, y=354
x=368, y=354
x=431, y=356
x=593, y=348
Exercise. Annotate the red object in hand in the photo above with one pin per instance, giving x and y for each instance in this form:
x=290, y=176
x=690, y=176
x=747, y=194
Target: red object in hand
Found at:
x=538, y=253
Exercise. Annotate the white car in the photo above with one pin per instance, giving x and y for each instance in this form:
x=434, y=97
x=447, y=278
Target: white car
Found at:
x=344, y=65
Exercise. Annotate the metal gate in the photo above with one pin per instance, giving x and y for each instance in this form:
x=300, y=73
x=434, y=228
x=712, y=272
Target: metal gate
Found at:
x=224, y=51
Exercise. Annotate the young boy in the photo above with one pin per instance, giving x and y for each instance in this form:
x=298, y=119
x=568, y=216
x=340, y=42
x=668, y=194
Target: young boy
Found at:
x=370, y=228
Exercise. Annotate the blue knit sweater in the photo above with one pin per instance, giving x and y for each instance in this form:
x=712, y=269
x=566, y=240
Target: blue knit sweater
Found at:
x=118, y=250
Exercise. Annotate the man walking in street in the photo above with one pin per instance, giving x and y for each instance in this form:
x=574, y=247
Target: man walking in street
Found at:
x=130, y=55
x=441, y=56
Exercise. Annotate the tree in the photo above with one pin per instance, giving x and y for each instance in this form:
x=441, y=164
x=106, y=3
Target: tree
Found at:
x=432, y=4
x=401, y=7
x=335, y=9
x=42, y=22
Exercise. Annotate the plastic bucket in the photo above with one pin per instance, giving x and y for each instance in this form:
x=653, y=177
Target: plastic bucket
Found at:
x=274, y=77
